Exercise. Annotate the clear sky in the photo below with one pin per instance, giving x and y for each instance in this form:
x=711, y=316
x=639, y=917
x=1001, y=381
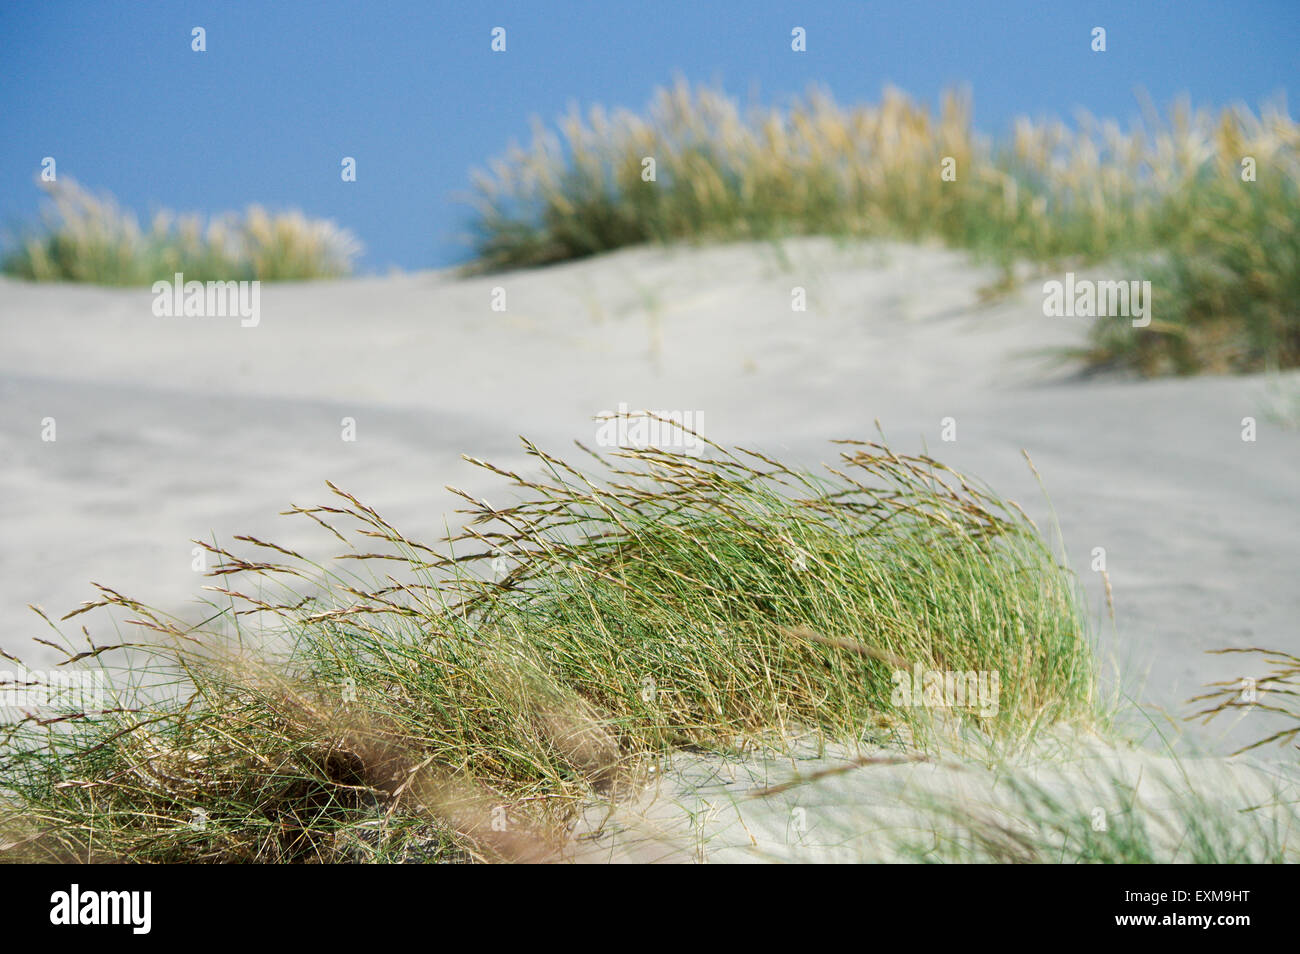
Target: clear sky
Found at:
x=413, y=91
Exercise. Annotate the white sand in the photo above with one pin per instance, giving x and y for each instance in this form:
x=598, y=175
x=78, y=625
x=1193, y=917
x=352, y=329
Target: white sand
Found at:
x=819, y=807
x=176, y=428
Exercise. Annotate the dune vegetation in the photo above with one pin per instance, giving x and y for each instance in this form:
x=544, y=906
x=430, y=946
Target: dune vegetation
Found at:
x=1203, y=205
x=1169, y=199
x=90, y=238
x=468, y=698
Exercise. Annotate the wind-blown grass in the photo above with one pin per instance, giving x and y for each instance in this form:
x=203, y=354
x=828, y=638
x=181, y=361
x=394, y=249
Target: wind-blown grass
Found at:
x=1277, y=692
x=89, y=238
x=473, y=695
x=1164, y=197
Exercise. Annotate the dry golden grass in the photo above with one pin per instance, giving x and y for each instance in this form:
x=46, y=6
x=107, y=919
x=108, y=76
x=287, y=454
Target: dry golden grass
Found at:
x=1164, y=196
x=89, y=238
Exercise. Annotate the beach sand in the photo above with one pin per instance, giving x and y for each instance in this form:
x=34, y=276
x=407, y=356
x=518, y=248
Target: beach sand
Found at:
x=840, y=805
x=174, y=428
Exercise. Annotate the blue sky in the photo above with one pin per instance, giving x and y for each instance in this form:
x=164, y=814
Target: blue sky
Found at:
x=413, y=92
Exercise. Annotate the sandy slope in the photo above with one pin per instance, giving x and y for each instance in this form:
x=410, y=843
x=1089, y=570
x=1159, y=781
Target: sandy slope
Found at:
x=848, y=806
x=176, y=428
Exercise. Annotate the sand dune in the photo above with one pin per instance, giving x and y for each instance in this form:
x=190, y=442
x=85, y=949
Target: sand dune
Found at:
x=850, y=806
x=172, y=428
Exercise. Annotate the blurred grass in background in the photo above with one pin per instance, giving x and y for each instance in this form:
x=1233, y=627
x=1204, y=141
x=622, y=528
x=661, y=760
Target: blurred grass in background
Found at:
x=89, y=238
x=1165, y=199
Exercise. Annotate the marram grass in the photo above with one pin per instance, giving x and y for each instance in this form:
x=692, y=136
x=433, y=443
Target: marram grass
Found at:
x=1165, y=199
x=89, y=238
x=472, y=696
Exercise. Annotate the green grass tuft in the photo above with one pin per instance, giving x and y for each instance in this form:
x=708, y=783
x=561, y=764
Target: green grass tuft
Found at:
x=483, y=689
